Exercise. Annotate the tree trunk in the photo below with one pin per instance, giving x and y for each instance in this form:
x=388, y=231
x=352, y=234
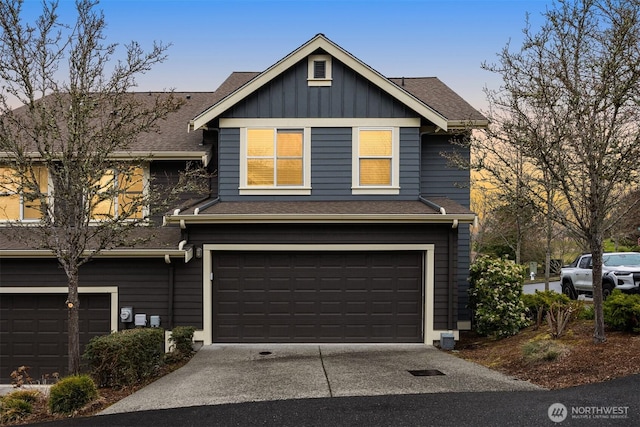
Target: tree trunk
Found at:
x=596, y=259
x=73, y=328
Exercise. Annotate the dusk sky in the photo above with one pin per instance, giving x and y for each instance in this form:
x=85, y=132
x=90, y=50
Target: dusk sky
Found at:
x=448, y=39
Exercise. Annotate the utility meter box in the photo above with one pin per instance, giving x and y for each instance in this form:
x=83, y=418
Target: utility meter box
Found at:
x=141, y=320
x=154, y=321
x=126, y=314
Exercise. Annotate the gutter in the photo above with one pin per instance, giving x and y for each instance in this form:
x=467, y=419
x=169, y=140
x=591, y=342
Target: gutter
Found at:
x=186, y=253
x=317, y=218
x=203, y=156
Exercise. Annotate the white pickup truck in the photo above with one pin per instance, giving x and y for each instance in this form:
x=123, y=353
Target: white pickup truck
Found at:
x=620, y=270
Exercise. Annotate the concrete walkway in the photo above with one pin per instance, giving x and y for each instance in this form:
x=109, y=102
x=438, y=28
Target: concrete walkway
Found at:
x=220, y=374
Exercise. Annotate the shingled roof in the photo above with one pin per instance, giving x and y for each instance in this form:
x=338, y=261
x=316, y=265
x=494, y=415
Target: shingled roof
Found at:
x=433, y=211
x=428, y=96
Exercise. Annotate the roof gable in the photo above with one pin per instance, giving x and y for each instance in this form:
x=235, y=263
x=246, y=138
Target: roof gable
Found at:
x=228, y=97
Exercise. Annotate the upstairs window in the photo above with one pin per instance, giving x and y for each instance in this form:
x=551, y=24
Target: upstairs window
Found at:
x=319, y=73
x=375, y=161
x=275, y=159
x=17, y=202
x=120, y=192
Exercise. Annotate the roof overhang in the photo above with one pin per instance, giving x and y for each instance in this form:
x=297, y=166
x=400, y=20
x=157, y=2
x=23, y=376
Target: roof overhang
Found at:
x=183, y=220
x=204, y=155
x=186, y=253
x=319, y=42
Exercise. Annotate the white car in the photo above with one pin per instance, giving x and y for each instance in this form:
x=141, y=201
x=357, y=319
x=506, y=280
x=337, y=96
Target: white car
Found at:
x=620, y=270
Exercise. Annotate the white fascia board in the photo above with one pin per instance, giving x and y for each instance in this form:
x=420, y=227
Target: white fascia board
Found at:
x=319, y=218
x=114, y=253
x=319, y=42
x=204, y=156
x=320, y=122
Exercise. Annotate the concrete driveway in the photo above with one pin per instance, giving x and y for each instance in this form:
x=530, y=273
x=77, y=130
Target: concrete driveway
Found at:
x=220, y=374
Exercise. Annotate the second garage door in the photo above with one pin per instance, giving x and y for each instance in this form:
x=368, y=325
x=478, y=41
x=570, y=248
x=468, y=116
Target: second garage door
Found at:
x=308, y=296
x=33, y=331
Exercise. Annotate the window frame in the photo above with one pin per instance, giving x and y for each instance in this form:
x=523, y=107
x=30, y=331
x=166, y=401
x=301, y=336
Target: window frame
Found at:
x=394, y=186
x=21, y=200
x=312, y=80
x=146, y=179
x=295, y=190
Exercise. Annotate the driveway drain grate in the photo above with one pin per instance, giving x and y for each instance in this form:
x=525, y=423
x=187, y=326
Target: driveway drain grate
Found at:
x=264, y=353
x=426, y=373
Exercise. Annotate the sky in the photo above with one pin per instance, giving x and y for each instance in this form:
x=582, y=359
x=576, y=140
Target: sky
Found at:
x=448, y=39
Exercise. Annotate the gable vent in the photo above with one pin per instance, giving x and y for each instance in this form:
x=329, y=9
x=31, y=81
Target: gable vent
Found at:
x=319, y=69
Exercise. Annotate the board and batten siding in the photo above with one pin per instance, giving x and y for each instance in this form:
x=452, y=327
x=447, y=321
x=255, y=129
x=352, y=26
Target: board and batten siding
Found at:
x=289, y=96
x=331, y=166
x=441, y=179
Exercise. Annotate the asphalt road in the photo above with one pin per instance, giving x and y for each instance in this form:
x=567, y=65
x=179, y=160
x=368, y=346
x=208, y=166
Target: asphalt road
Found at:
x=614, y=403
x=531, y=288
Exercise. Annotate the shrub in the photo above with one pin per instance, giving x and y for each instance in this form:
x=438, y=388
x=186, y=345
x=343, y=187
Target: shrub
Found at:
x=21, y=376
x=543, y=351
x=16, y=405
x=495, y=296
x=587, y=312
x=27, y=395
x=538, y=304
x=71, y=393
x=126, y=357
x=182, y=339
x=560, y=314
x=622, y=311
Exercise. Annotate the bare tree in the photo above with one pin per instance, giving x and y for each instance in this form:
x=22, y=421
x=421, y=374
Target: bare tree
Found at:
x=569, y=99
x=62, y=151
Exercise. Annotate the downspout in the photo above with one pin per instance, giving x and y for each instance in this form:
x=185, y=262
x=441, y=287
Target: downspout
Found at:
x=451, y=283
x=171, y=285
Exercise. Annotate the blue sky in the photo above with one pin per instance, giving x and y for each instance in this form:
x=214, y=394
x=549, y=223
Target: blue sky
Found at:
x=448, y=39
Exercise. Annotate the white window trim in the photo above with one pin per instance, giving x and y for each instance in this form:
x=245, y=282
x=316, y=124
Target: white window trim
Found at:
x=21, y=206
x=146, y=181
x=394, y=188
x=272, y=190
x=311, y=80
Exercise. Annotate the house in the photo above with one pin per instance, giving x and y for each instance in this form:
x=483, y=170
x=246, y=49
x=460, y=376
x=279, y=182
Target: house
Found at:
x=333, y=217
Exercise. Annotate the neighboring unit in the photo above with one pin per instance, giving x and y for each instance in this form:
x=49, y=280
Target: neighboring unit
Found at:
x=333, y=217
x=620, y=270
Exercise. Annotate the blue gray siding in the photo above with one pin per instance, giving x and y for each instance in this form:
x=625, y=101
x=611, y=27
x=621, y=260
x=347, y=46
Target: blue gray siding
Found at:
x=330, y=166
x=440, y=179
x=289, y=95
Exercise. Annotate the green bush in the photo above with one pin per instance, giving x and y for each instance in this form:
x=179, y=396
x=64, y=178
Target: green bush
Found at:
x=15, y=406
x=622, y=311
x=126, y=357
x=27, y=395
x=538, y=303
x=495, y=296
x=71, y=393
x=587, y=312
x=182, y=339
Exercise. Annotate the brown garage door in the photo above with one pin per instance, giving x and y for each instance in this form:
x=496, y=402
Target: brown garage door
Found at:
x=304, y=296
x=33, y=331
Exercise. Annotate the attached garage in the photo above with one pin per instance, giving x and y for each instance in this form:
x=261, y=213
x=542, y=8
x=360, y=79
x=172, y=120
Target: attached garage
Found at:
x=33, y=330
x=318, y=296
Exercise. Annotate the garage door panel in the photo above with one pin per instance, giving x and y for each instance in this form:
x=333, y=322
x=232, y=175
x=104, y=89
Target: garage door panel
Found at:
x=33, y=331
x=317, y=296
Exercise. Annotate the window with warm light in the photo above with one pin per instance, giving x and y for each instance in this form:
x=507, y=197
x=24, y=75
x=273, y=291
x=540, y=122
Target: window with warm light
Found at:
x=120, y=193
x=17, y=203
x=375, y=161
x=274, y=159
